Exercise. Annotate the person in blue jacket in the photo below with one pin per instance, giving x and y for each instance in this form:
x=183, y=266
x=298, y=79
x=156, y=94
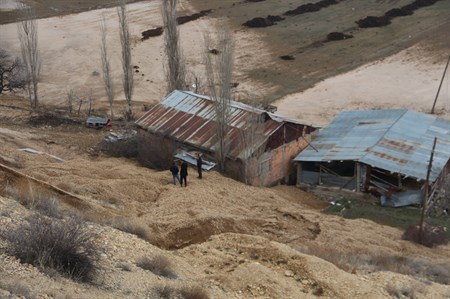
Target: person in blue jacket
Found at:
x=174, y=170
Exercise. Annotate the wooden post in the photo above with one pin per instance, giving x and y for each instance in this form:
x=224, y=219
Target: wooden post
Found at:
x=299, y=173
x=440, y=85
x=358, y=177
x=320, y=174
x=425, y=198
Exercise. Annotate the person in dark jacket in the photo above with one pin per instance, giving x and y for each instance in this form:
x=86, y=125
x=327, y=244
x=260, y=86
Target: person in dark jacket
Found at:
x=183, y=173
x=199, y=165
x=174, y=170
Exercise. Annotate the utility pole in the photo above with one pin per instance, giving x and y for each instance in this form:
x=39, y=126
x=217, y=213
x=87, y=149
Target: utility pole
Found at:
x=440, y=85
x=425, y=198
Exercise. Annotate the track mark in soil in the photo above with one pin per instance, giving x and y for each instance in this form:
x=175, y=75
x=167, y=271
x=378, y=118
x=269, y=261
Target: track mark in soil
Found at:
x=332, y=36
x=406, y=10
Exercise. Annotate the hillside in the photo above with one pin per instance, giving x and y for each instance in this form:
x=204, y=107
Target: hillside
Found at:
x=217, y=238
x=232, y=240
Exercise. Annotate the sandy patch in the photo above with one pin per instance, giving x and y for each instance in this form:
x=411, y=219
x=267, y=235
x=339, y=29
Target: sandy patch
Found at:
x=7, y=5
x=70, y=50
x=405, y=80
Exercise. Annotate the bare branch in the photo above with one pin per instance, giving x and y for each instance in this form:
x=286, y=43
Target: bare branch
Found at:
x=128, y=84
x=106, y=68
x=175, y=68
x=28, y=37
x=219, y=69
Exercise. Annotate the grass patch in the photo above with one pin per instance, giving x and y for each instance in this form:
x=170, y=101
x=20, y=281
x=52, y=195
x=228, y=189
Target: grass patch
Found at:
x=410, y=291
x=130, y=226
x=351, y=262
x=34, y=198
x=396, y=217
x=64, y=246
x=159, y=265
x=184, y=292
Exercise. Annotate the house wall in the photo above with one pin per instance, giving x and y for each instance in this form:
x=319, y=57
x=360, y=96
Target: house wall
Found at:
x=159, y=156
x=272, y=167
x=277, y=165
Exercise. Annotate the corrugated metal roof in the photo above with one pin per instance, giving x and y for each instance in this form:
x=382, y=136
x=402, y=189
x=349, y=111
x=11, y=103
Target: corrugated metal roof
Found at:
x=190, y=118
x=397, y=140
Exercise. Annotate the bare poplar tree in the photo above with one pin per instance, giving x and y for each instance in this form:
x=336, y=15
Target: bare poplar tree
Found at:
x=128, y=84
x=252, y=142
x=106, y=68
x=219, y=69
x=28, y=36
x=175, y=68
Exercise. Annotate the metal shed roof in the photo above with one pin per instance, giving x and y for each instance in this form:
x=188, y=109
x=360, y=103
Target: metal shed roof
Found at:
x=190, y=118
x=397, y=140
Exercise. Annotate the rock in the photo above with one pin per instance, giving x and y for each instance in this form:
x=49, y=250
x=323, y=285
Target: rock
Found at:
x=288, y=273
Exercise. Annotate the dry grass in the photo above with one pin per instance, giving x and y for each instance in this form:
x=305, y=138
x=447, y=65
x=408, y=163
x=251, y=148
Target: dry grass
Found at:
x=34, y=199
x=17, y=288
x=193, y=292
x=409, y=291
x=132, y=227
x=351, y=262
x=158, y=265
x=67, y=247
x=431, y=235
x=184, y=292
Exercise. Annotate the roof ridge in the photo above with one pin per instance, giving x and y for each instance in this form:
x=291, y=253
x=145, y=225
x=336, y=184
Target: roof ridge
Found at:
x=385, y=133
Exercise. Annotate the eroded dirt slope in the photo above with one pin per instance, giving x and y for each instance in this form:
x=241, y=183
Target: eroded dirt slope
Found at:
x=233, y=240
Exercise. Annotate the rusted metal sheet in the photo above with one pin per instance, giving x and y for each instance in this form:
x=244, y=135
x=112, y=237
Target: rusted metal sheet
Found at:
x=190, y=118
x=397, y=140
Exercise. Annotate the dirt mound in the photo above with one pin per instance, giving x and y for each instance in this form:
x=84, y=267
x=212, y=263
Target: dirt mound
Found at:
x=151, y=33
x=407, y=10
x=263, y=22
x=372, y=21
x=310, y=7
x=287, y=57
x=338, y=36
x=185, y=19
x=180, y=20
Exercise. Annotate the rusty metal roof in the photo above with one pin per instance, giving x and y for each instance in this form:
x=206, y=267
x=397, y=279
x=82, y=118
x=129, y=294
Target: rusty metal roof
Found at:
x=397, y=140
x=190, y=118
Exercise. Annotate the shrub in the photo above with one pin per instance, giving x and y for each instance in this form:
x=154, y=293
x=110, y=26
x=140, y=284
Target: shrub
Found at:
x=193, y=292
x=159, y=265
x=185, y=292
x=409, y=291
x=65, y=246
x=131, y=227
x=431, y=235
x=34, y=199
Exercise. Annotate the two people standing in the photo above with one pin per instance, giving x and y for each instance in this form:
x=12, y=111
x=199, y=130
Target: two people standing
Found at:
x=179, y=175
